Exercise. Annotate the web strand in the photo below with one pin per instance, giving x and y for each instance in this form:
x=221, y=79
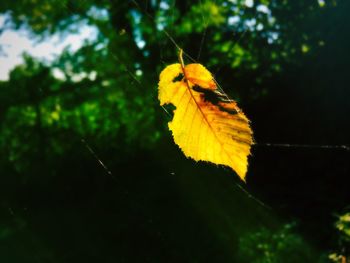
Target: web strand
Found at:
x=163, y=30
x=172, y=40
x=87, y=146
x=250, y=196
x=241, y=36
x=234, y=44
x=132, y=75
x=304, y=146
x=205, y=22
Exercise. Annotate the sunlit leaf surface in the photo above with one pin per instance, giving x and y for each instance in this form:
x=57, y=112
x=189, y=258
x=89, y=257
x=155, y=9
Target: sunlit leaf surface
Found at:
x=207, y=125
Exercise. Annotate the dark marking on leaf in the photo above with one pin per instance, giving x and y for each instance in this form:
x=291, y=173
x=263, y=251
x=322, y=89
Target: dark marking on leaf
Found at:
x=216, y=98
x=178, y=77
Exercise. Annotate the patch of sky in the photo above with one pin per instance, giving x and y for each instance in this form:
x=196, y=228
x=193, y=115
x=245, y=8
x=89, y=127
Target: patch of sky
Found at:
x=233, y=20
x=58, y=74
x=136, y=16
x=263, y=9
x=161, y=23
x=101, y=45
x=164, y=5
x=250, y=23
x=162, y=15
x=138, y=71
x=4, y=20
x=83, y=75
x=259, y=27
x=14, y=43
x=272, y=37
x=98, y=13
x=140, y=42
x=249, y=3
x=138, y=39
x=272, y=20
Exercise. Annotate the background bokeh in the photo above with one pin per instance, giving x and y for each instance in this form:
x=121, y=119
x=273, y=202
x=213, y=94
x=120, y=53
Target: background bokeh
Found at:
x=285, y=62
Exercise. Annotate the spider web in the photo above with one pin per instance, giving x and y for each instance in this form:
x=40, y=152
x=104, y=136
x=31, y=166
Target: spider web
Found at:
x=136, y=81
x=195, y=58
x=205, y=20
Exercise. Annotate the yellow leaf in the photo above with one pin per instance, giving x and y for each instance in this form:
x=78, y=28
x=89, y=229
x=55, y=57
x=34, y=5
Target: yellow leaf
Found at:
x=207, y=125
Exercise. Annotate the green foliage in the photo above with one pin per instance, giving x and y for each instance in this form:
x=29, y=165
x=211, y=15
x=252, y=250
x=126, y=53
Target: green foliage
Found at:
x=107, y=93
x=343, y=226
x=285, y=60
x=283, y=245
